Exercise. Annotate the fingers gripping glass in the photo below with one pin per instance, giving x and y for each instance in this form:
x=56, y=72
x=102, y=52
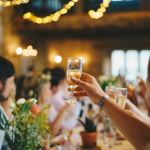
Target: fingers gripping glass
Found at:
x=74, y=69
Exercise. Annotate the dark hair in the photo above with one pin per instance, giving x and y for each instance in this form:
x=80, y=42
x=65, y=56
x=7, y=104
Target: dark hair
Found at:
x=6, y=69
x=58, y=74
x=148, y=70
x=31, y=68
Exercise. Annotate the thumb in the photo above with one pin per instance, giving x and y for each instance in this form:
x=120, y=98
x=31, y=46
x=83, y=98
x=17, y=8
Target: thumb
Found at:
x=78, y=82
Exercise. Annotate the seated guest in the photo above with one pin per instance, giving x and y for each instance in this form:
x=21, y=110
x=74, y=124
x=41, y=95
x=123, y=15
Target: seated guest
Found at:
x=135, y=130
x=7, y=72
x=41, y=86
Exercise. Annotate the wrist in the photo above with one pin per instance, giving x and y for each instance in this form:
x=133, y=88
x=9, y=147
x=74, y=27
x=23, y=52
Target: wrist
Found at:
x=100, y=96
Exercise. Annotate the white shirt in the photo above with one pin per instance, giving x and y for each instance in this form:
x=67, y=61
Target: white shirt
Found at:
x=57, y=102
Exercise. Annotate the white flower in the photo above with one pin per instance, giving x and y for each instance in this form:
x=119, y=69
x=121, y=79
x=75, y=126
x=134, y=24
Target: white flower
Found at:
x=21, y=101
x=12, y=105
x=32, y=100
x=48, y=77
x=43, y=76
x=31, y=93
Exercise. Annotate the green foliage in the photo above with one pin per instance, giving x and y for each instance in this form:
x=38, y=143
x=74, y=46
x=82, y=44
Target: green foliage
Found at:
x=111, y=82
x=89, y=125
x=26, y=128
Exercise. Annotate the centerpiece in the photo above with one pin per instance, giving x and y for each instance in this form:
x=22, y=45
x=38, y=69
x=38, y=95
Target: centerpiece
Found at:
x=89, y=134
x=26, y=131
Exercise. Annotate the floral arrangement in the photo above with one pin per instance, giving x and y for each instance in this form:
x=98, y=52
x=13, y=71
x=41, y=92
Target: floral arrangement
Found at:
x=104, y=81
x=43, y=78
x=26, y=131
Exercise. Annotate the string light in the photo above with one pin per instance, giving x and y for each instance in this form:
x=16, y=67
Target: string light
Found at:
x=100, y=11
x=6, y=3
x=29, y=51
x=53, y=17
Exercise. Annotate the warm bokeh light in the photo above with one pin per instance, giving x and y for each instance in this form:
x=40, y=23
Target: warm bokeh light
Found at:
x=81, y=58
x=58, y=59
x=19, y=50
x=29, y=51
x=6, y=3
x=53, y=17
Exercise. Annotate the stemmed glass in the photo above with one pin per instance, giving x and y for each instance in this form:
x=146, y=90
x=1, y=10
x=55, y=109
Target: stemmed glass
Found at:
x=109, y=133
x=121, y=96
x=74, y=69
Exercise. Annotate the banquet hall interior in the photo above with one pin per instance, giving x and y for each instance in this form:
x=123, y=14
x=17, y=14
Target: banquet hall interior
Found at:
x=111, y=37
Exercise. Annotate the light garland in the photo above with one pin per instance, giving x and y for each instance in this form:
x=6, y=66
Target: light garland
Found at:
x=100, y=12
x=6, y=3
x=53, y=17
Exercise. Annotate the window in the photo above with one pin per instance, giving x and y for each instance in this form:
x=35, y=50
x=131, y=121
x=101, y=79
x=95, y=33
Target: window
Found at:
x=130, y=64
x=118, y=62
x=114, y=6
x=144, y=58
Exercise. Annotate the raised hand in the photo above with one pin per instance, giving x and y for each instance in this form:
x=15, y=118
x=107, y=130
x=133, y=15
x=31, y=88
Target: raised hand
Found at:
x=88, y=86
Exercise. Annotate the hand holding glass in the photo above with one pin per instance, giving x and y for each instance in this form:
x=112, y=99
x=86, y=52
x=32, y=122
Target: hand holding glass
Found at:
x=74, y=69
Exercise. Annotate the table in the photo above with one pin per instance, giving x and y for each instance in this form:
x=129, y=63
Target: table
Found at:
x=76, y=138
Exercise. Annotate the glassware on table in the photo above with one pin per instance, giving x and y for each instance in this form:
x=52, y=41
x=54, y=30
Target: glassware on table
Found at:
x=69, y=146
x=109, y=133
x=74, y=69
x=121, y=96
x=110, y=90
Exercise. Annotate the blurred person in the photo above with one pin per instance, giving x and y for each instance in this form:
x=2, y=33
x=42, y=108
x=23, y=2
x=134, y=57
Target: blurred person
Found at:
x=7, y=72
x=31, y=71
x=41, y=86
x=136, y=131
x=20, y=87
x=57, y=101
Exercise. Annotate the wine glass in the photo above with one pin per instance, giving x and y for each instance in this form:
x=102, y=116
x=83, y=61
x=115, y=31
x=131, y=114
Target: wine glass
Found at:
x=110, y=90
x=109, y=133
x=74, y=69
x=121, y=96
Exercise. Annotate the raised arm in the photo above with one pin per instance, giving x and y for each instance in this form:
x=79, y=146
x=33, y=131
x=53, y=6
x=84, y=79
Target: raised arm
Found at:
x=132, y=128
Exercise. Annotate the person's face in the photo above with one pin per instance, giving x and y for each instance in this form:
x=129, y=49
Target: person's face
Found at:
x=46, y=91
x=6, y=89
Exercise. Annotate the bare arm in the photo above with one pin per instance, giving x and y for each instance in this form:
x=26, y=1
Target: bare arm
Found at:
x=137, y=113
x=133, y=129
x=56, y=125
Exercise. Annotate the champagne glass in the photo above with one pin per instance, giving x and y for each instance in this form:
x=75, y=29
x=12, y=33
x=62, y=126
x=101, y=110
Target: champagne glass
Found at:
x=110, y=90
x=74, y=69
x=109, y=133
x=121, y=96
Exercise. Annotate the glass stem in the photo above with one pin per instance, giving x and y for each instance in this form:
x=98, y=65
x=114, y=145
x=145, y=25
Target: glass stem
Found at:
x=72, y=96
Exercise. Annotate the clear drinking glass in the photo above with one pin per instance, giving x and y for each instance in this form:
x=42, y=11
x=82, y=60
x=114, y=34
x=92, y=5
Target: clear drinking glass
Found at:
x=110, y=90
x=74, y=69
x=109, y=133
x=121, y=96
x=69, y=146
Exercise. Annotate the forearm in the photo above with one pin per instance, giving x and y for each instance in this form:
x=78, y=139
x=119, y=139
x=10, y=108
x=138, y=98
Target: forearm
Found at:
x=56, y=125
x=133, y=129
x=138, y=113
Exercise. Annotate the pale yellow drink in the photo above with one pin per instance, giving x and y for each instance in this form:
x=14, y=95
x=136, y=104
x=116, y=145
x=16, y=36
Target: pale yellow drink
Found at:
x=121, y=100
x=72, y=73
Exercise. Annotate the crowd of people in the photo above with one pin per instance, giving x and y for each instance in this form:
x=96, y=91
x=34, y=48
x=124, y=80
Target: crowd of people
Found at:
x=50, y=90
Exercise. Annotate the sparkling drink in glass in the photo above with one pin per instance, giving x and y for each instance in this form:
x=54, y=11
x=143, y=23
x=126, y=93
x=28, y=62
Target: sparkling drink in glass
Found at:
x=74, y=69
x=121, y=96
